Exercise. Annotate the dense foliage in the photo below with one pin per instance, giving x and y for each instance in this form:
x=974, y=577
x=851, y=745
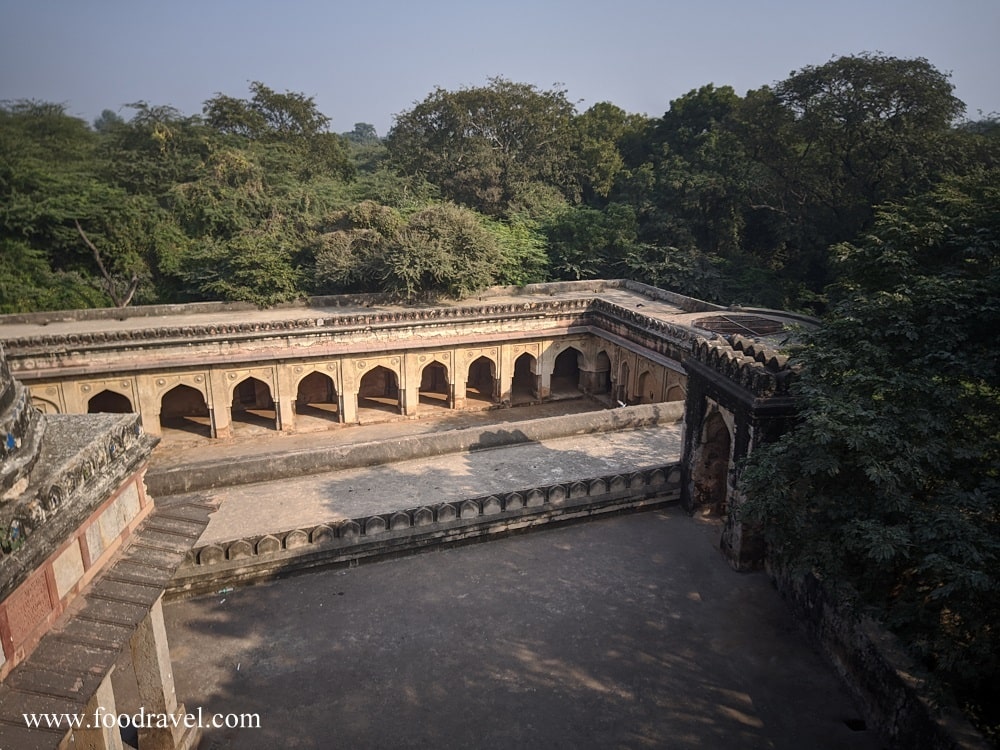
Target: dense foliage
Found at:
x=890, y=486
x=728, y=198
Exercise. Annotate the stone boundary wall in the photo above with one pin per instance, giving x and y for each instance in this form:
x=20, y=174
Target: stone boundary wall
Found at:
x=249, y=469
x=349, y=541
x=351, y=300
x=875, y=667
x=687, y=304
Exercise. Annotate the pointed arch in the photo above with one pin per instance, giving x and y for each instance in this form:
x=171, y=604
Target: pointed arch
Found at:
x=623, y=393
x=379, y=391
x=253, y=404
x=565, y=381
x=710, y=472
x=109, y=402
x=602, y=373
x=184, y=408
x=44, y=405
x=643, y=388
x=434, y=390
x=481, y=383
x=316, y=396
x=524, y=385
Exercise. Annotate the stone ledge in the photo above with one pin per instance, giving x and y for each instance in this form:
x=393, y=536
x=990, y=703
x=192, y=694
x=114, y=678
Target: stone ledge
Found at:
x=348, y=541
x=246, y=470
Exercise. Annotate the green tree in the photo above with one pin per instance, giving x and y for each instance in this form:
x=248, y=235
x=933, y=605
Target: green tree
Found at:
x=599, y=135
x=587, y=243
x=839, y=139
x=486, y=146
x=702, y=173
x=352, y=245
x=442, y=250
x=889, y=487
x=52, y=180
x=291, y=120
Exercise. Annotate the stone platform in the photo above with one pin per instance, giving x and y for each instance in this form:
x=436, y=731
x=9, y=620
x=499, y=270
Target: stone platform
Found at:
x=549, y=470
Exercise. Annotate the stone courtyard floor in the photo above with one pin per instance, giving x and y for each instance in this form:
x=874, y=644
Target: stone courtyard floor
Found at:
x=629, y=632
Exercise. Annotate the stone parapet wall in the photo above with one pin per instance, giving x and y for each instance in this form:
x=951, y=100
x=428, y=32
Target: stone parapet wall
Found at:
x=751, y=365
x=688, y=304
x=32, y=356
x=21, y=432
x=248, y=469
x=873, y=664
x=348, y=541
x=324, y=331
x=80, y=463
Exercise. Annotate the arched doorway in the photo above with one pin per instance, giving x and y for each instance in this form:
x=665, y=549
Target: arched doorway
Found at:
x=675, y=393
x=109, y=402
x=317, y=397
x=253, y=406
x=710, y=473
x=184, y=408
x=482, y=382
x=524, y=385
x=565, y=382
x=434, y=391
x=379, y=391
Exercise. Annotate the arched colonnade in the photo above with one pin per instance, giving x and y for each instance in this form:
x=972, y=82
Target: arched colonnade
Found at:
x=361, y=388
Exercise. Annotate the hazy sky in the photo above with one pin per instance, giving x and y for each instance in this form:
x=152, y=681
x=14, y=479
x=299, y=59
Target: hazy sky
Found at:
x=366, y=60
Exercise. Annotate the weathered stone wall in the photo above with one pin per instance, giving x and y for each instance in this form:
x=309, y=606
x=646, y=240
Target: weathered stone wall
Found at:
x=65, y=369
x=214, y=384
x=347, y=542
x=874, y=665
x=737, y=399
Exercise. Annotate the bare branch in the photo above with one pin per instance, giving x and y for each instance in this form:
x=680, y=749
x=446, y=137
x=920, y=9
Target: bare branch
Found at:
x=109, y=282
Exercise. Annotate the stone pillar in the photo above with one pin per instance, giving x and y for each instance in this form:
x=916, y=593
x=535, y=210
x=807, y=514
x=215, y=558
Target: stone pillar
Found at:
x=543, y=372
x=347, y=407
x=284, y=398
x=155, y=679
x=458, y=393
x=220, y=405
x=592, y=381
x=148, y=405
x=284, y=412
x=505, y=375
x=97, y=736
x=409, y=400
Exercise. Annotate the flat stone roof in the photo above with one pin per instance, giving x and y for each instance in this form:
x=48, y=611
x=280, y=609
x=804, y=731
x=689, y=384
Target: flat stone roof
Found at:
x=669, y=307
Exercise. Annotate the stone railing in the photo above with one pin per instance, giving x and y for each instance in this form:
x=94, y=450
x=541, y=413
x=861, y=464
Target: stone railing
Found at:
x=346, y=541
x=660, y=336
